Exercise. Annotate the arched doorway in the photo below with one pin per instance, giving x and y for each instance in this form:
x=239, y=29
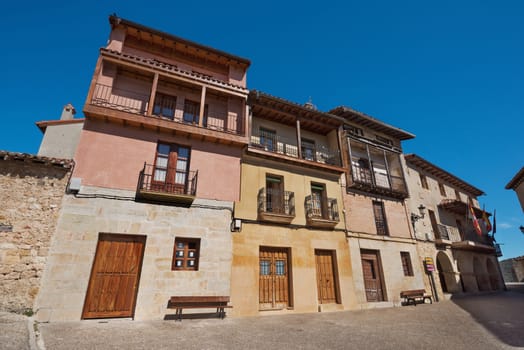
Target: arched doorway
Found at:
x=493, y=275
x=445, y=273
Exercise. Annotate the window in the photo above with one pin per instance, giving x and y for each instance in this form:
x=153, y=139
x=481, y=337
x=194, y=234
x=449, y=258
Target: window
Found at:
x=275, y=194
x=308, y=149
x=268, y=139
x=164, y=106
x=380, y=218
x=354, y=130
x=318, y=200
x=406, y=263
x=171, y=168
x=442, y=189
x=186, y=253
x=191, y=111
x=424, y=181
x=457, y=195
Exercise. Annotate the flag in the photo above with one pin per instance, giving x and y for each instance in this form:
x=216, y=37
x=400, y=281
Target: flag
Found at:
x=494, y=224
x=486, y=220
x=474, y=219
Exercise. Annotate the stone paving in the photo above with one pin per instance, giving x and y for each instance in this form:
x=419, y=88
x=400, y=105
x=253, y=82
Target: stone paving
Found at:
x=483, y=321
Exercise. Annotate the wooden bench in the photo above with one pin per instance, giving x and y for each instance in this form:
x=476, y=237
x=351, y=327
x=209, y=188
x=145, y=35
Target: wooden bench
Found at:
x=415, y=295
x=199, y=302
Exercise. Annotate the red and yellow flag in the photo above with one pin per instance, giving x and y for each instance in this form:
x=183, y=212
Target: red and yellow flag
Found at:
x=485, y=218
x=474, y=219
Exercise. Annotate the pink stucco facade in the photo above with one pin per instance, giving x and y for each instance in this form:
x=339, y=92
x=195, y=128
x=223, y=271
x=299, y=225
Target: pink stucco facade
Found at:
x=111, y=156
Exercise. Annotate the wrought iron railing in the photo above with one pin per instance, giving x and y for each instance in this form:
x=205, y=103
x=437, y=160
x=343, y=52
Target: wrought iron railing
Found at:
x=449, y=233
x=271, y=142
x=275, y=201
x=169, y=181
x=136, y=103
x=319, y=209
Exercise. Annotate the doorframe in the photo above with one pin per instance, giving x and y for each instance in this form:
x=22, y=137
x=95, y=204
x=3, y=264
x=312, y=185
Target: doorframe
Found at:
x=136, y=238
x=334, y=265
x=290, y=301
x=380, y=273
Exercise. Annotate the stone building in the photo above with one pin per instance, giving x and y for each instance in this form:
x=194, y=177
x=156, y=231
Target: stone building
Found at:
x=150, y=202
x=517, y=184
x=464, y=260
x=513, y=269
x=31, y=191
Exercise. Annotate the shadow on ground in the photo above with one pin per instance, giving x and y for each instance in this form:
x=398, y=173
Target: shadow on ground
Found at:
x=501, y=313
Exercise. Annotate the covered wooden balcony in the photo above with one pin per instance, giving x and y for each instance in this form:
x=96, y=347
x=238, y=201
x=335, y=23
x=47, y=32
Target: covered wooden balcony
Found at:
x=159, y=185
x=276, y=206
x=150, y=94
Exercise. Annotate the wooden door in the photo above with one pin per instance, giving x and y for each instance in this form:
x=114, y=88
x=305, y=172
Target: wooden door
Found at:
x=115, y=275
x=372, y=276
x=273, y=278
x=434, y=224
x=326, y=277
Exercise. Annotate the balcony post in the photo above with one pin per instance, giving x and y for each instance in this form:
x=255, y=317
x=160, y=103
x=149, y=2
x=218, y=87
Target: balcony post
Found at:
x=152, y=96
x=202, y=106
x=299, y=142
x=371, y=169
x=387, y=170
x=94, y=80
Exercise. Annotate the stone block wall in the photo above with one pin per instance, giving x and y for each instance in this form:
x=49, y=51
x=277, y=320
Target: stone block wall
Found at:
x=31, y=191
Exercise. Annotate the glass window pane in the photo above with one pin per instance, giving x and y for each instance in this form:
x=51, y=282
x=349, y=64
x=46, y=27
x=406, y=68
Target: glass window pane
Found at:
x=180, y=178
x=264, y=267
x=163, y=149
x=161, y=162
x=179, y=253
x=183, y=152
x=181, y=165
x=160, y=175
x=280, y=267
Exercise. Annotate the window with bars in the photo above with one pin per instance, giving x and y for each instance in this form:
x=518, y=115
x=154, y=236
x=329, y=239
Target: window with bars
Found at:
x=424, y=181
x=186, y=253
x=191, y=111
x=406, y=263
x=308, y=149
x=380, y=218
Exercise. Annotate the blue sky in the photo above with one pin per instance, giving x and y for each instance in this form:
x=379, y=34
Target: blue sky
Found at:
x=451, y=72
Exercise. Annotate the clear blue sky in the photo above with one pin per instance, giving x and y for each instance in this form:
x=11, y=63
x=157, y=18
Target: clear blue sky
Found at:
x=451, y=72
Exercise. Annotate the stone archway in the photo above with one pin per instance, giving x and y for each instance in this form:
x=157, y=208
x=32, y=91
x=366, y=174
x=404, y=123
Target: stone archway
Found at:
x=493, y=275
x=446, y=273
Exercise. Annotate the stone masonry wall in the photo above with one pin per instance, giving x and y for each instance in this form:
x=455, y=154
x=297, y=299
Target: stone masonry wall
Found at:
x=31, y=190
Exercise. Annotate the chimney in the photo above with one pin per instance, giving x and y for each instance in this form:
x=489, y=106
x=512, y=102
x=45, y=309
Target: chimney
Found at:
x=68, y=112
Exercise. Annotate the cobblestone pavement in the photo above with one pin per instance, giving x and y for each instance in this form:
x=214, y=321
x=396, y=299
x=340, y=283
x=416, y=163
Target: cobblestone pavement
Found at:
x=484, y=321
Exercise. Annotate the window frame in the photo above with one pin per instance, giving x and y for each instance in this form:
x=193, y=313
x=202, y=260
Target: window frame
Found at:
x=442, y=189
x=186, y=257
x=163, y=101
x=379, y=208
x=423, y=181
x=191, y=113
x=407, y=266
x=308, y=144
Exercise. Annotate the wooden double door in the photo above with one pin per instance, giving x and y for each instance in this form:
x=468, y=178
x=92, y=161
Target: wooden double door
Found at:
x=115, y=275
x=372, y=271
x=273, y=278
x=327, y=283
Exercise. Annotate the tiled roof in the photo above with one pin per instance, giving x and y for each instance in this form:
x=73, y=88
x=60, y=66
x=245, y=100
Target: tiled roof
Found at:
x=171, y=68
x=440, y=173
x=64, y=163
x=516, y=181
x=115, y=20
x=360, y=118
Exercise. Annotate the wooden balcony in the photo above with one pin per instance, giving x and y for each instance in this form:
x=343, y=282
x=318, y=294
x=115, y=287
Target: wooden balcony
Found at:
x=451, y=236
x=276, y=206
x=322, y=214
x=180, y=189
x=363, y=179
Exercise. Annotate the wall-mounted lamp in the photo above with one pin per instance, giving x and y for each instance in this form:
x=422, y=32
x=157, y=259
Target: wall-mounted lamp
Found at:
x=420, y=215
x=236, y=225
x=521, y=228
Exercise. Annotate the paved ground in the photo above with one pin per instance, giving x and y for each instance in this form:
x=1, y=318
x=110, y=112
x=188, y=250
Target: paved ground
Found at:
x=487, y=321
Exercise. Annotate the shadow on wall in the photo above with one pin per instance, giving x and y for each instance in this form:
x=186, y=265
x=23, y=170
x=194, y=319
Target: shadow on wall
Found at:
x=498, y=312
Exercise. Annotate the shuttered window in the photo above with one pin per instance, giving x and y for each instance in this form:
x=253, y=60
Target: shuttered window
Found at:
x=380, y=218
x=406, y=263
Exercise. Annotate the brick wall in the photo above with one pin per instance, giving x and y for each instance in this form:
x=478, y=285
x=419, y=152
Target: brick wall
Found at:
x=31, y=190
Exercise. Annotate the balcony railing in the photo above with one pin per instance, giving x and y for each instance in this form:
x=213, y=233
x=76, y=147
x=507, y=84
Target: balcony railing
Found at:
x=275, y=201
x=132, y=102
x=271, y=142
x=169, y=184
x=448, y=233
x=322, y=213
x=377, y=181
